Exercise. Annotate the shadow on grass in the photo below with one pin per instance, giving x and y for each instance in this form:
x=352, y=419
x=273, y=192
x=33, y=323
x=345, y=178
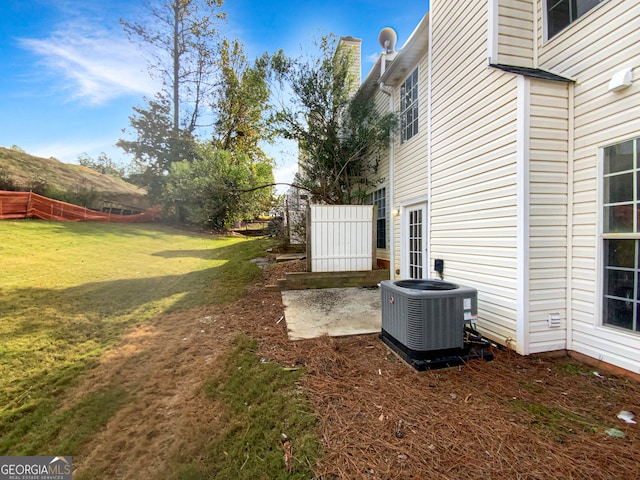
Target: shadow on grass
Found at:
x=96, y=301
x=207, y=254
x=49, y=336
x=106, y=228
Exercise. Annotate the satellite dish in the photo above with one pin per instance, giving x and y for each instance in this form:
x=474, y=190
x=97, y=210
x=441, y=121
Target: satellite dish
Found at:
x=387, y=39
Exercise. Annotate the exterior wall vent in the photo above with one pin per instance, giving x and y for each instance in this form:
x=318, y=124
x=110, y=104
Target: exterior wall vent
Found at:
x=554, y=320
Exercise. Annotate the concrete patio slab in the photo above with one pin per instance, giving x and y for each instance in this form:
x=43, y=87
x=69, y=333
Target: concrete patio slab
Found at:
x=332, y=311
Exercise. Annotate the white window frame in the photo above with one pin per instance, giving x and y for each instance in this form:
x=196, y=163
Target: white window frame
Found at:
x=605, y=236
x=377, y=198
x=405, y=271
x=412, y=107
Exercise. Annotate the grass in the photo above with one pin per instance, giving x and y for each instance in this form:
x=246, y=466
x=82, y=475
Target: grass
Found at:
x=70, y=290
x=260, y=401
x=555, y=421
x=28, y=171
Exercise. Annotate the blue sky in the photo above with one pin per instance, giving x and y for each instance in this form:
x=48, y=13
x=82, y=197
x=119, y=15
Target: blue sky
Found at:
x=69, y=77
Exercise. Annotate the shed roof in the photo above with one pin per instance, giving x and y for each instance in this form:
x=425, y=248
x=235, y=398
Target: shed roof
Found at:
x=531, y=72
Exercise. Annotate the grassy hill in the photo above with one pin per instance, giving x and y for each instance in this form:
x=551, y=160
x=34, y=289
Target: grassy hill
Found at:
x=35, y=173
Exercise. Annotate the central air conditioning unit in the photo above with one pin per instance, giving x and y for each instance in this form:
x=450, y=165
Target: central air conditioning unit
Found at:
x=431, y=323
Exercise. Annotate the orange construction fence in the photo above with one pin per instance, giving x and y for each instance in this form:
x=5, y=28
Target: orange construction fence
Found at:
x=17, y=205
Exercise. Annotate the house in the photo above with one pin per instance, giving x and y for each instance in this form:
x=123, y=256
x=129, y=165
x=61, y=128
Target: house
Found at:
x=517, y=165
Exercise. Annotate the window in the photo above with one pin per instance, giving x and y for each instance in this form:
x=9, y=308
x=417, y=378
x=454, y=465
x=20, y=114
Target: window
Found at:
x=379, y=199
x=561, y=13
x=409, y=107
x=621, y=236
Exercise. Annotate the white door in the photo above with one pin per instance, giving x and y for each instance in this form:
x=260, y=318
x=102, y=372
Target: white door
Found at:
x=414, y=243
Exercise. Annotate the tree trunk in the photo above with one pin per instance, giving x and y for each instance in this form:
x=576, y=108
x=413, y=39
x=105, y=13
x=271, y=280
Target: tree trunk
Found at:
x=176, y=67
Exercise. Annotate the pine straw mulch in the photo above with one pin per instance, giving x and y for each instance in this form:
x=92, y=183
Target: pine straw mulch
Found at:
x=512, y=418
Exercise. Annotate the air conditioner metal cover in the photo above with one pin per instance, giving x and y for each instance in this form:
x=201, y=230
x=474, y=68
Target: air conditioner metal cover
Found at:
x=423, y=316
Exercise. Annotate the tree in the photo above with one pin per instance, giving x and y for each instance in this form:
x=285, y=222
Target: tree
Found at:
x=240, y=103
x=340, y=136
x=209, y=191
x=189, y=165
x=181, y=37
x=156, y=147
x=103, y=164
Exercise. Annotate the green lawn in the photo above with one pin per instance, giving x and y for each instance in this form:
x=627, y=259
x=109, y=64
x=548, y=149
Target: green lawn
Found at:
x=69, y=290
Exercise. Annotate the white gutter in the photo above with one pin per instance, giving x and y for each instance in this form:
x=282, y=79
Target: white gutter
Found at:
x=392, y=237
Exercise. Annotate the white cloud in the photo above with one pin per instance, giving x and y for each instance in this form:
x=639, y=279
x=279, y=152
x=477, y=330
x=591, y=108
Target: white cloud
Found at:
x=372, y=58
x=67, y=150
x=94, y=65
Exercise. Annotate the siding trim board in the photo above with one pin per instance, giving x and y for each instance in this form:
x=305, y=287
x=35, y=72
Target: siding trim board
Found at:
x=493, y=27
x=570, y=212
x=522, y=194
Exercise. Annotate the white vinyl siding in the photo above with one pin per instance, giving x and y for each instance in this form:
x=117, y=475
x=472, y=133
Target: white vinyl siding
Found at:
x=473, y=166
x=411, y=157
x=410, y=173
x=591, y=51
x=516, y=167
x=515, y=32
x=549, y=144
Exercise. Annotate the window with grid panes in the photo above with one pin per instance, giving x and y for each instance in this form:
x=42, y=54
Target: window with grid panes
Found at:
x=409, y=107
x=379, y=199
x=621, y=236
x=561, y=13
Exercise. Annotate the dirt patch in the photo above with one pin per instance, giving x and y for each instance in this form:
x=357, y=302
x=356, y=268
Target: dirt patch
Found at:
x=162, y=367
x=515, y=417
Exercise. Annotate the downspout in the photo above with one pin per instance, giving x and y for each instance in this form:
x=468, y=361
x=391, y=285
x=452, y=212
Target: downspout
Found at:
x=429, y=127
x=392, y=237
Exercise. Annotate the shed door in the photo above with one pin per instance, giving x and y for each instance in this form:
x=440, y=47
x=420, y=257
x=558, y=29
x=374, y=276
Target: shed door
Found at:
x=415, y=242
